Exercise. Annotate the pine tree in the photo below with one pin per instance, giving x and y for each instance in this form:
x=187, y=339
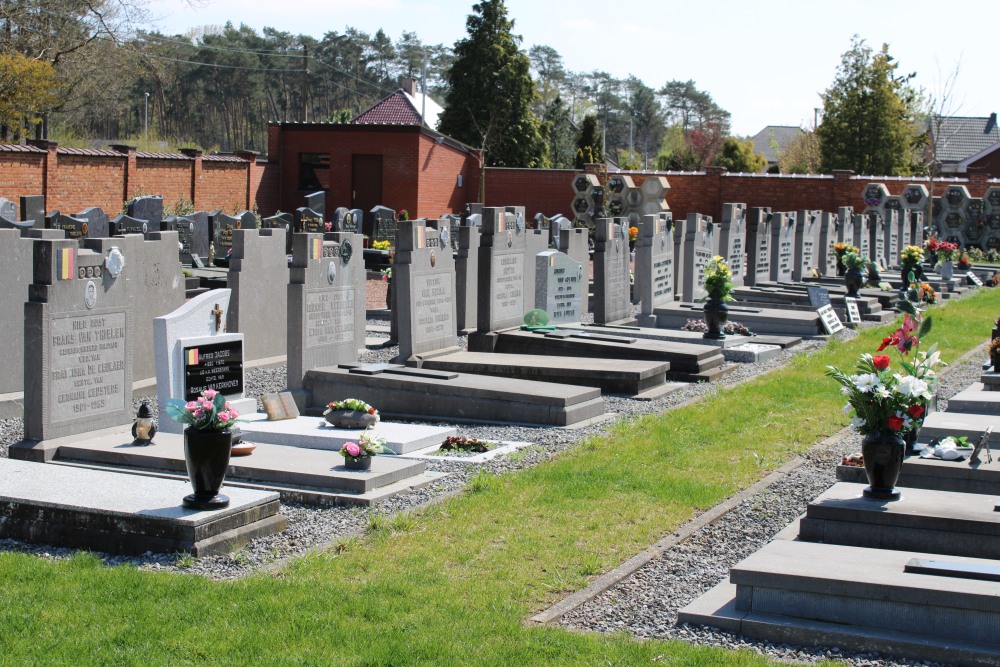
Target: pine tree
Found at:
x=588, y=144
x=490, y=94
x=867, y=114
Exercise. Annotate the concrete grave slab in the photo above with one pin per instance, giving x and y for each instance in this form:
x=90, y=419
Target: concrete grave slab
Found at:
x=316, y=433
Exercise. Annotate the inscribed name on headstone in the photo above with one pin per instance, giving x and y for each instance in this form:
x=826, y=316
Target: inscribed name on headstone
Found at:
x=149, y=209
x=758, y=246
x=654, y=264
x=818, y=296
x=862, y=235
x=853, y=313
x=502, y=247
x=98, y=222
x=224, y=227
x=782, y=246
x=559, y=284
x=612, y=291
x=78, y=371
x=732, y=240
x=700, y=245
x=827, y=239
x=125, y=224
x=380, y=224
x=308, y=221
x=424, y=275
x=322, y=305
x=74, y=228
x=831, y=323
x=217, y=366
x=807, y=235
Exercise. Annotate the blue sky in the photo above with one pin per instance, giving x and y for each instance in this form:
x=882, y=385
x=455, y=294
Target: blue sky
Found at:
x=766, y=62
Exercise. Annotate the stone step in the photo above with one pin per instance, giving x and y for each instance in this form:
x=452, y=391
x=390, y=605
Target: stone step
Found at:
x=976, y=399
x=971, y=425
x=428, y=395
x=867, y=588
x=120, y=513
x=316, y=433
x=958, y=524
x=768, y=321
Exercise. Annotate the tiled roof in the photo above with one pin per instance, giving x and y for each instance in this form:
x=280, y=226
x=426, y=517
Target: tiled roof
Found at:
x=959, y=137
x=149, y=155
x=221, y=158
x=765, y=141
x=18, y=148
x=400, y=108
x=93, y=152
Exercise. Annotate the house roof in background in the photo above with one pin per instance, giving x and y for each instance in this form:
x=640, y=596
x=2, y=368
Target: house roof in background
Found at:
x=765, y=141
x=959, y=137
x=400, y=108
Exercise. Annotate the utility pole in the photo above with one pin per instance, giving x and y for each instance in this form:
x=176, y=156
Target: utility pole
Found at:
x=146, y=124
x=305, y=82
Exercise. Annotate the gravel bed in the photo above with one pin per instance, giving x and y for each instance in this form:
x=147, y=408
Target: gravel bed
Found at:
x=644, y=604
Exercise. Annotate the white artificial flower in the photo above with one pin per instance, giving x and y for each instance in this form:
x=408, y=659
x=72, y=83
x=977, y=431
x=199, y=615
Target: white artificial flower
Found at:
x=857, y=422
x=882, y=391
x=912, y=386
x=845, y=391
x=847, y=409
x=865, y=382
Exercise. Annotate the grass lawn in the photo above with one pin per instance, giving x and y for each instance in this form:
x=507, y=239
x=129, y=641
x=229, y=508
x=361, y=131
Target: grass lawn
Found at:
x=452, y=584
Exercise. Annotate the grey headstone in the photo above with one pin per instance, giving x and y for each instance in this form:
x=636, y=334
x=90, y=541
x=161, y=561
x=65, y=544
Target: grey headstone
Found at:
x=248, y=219
x=612, y=292
x=467, y=277
x=33, y=208
x=258, y=277
x=15, y=276
x=654, y=264
x=502, y=302
x=892, y=229
x=862, y=235
x=877, y=230
x=74, y=228
x=560, y=286
x=845, y=216
x=98, y=222
x=700, y=244
x=317, y=202
x=424, y=277
x=149, y=209
x=732, y=240
x=78, y=369
x=783, y=246
x=827, y=239
x=758, y=246
x=323, y=301
x=575, y=242
x=808, y=226
x=8, y=209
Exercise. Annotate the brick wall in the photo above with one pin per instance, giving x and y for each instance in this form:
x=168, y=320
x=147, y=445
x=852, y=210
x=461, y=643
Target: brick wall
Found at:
x=439, y=168
x=170, y=178
x=224, y=184
x=20, y=174
x=81, y=181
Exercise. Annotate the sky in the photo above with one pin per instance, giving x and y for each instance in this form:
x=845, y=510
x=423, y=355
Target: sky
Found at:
x=766, y=62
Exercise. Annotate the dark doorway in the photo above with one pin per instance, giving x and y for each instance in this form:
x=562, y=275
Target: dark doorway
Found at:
x=366, y=181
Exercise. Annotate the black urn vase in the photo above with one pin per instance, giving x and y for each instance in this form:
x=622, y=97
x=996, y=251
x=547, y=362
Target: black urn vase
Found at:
x=853, y=280
x=206, y=455
x=883, y=455
x=716, y=315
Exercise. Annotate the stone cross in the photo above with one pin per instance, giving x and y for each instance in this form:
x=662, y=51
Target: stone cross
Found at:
x=217, y=311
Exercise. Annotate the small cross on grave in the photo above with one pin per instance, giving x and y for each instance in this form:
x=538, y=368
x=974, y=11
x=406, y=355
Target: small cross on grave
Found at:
x=218, y=318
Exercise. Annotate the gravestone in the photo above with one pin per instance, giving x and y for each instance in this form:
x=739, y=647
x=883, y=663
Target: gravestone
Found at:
x=316, y=201
x=862, y=235
x=732, y=240
x=807, y=240
x=322, y=304
x=845, y=216
x=917, y=228
x=258, y=278
x=827, y=239
x=192, y=232
x=612, y=292
x=308, y=221
x=559, y=286
x=8, y=217
x=126, y=224
x=654, y=266
x=679, y=227
x=149, y=209
x=556, y=227
x=502, y=246
x=380, y=224
x=224, y=227
x=354, y=223
x=98, y=222
x=248, y=219
x=758, y=246
x=77, y=328
x=877, y=231
x=905, y=229
x=194, y=351
x=281, y=221
x=33, y=209
x=575, y=242
x=466, y=278
x=700, y=245
x=424, y=276
x=74, y=228
x=15, y=275
x=782, y=247
x=339, y=218
x=353, y=262
x=891, y=238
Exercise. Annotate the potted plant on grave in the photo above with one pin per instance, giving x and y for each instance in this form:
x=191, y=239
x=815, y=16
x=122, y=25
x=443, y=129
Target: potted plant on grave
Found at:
x=841, y=249
x=963, y=262
x=358, y=455
x=719, y=286
x=351, y=413
x=854, y=275
x=909, y=261
x=945, y=253
x=208, y=443
x=887, y=404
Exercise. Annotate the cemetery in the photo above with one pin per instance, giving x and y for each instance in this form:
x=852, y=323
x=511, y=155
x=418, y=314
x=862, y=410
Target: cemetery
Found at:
x=250, y=360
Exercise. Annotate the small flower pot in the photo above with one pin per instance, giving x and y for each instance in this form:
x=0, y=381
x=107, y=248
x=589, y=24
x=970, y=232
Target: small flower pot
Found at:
x=358, y=462
x=352, y=419
x=206, y=456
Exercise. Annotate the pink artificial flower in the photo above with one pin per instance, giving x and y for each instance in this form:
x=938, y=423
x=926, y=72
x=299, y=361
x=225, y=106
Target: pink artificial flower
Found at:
x=224, y=416
x=210, y=394
x=233, y=412
x=328, y=226
x=198, y=414
x=352, y=449
x=906, y=338
x=191, y=405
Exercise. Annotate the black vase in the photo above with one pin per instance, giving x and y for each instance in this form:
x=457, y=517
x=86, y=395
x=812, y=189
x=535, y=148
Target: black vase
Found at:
x=358, y=462
x=883, y=454
x=853, y=280
x=716, y=315
x=206, y=455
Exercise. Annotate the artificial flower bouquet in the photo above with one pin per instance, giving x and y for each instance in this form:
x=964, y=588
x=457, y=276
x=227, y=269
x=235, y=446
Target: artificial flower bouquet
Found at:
x=353, y=404
x=209, y=412
x=365, y=446
x=718, y=280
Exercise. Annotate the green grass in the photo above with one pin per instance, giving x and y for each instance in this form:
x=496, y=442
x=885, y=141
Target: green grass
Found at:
x=453, y=583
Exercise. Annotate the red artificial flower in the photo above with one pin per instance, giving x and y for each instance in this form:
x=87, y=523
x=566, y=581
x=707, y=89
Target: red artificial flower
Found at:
x=371, y=411
x=915, y=411
x=896, y=423
x=886, y=342
x=881, y=362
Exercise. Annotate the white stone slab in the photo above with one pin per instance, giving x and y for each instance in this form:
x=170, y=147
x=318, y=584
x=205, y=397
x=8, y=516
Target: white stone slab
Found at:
x=505, y=448
x=114, y=493
x=316, y=433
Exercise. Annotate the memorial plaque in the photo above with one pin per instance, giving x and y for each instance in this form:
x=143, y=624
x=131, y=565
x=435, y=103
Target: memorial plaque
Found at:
x=217, y=366
x=758, y=246
x=831, y=323
x=73, y=227
x=559, y=286
x=329, y=317
x=279, y=406
x=87, y=368
x=508, y=296
x=818, y=296
x=974, y=279
x=853, y=314
x=782, y=246
x=308, y=221
x=98, y=222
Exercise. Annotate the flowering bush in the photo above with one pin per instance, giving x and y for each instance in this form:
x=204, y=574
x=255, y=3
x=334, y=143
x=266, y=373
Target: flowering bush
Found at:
x=718, y=280
x=633, y=233
x=365, y=446
x=209, y=412
x=355, y=404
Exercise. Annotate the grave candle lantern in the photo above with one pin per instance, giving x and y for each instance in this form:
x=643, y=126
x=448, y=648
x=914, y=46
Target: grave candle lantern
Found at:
x=144, y=428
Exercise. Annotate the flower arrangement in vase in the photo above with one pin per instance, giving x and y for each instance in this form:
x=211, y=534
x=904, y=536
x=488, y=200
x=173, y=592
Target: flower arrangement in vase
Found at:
x=718, y=283
x=854, y=275
x=358, y=455
x=841, y=249
x=351, y=413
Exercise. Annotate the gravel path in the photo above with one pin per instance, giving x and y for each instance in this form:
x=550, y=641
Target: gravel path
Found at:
x=644, y=604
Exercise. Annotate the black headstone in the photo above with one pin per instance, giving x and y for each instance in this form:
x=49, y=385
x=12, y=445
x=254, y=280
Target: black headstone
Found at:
x=98, y=222
x=33, y=209
x=818, y=296
x=224, y=226
x=149, y=209
x=339, y=216
x=308, y=221
x=281, y=221
x=356, y=221
x=317, y=202
x=75, y=228
x=383, y=225
x=125, y=224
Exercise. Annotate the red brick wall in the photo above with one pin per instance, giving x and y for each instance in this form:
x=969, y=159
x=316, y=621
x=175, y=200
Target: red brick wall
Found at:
x=439, y=168
x=80, y=181
x=264, y=188
x=170, y=178
x=548, y=191
x=20, y=174
x=223, y=185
